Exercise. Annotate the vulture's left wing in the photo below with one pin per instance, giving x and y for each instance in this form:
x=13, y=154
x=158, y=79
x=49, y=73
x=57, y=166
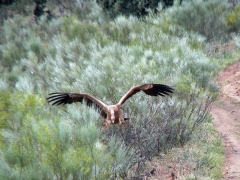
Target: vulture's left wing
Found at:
x=149, y=89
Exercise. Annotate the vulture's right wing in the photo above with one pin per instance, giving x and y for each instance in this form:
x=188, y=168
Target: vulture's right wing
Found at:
x=69, y=98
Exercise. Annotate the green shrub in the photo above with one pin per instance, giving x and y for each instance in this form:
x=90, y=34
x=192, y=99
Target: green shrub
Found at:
x=233, y=19
x=38, y=145
x=12, y=47
x=104, y=60
x=204, y=17
x=137, y=7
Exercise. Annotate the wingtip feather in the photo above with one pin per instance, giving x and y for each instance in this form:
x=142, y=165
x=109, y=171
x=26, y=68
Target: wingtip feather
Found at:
x=56, y=98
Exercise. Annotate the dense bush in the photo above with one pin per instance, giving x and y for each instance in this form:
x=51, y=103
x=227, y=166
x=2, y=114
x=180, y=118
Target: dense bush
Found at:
x=32, y=10
x=6, y=2
x=137, y=7
x=233, y=19
x=103, y=58
x=204, y=17
x=37, y=144
x=105, y=61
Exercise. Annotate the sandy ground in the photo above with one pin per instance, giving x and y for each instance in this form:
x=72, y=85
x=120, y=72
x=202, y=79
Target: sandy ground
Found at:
x=226, y=118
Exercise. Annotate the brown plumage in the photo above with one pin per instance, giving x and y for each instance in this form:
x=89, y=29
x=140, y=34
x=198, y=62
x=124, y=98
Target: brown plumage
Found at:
x=111, y=113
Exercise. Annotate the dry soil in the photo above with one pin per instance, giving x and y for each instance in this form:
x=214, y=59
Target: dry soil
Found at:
x=226, y=118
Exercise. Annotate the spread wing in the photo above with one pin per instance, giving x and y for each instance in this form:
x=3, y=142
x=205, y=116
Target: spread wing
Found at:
x=69, y=98
x=149, y=89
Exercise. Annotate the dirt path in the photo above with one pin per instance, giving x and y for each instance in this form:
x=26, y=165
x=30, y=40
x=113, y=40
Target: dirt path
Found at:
x=226, y=118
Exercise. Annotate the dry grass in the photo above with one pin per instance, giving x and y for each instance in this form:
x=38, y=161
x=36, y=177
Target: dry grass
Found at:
x=200, y=158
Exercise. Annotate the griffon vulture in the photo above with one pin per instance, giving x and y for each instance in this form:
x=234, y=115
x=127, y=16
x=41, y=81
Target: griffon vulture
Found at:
x=111, y=113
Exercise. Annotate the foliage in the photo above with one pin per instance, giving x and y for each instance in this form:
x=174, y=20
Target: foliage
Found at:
x=103, y=58
x=137, y=7
x=87, y=57
x=20, y=7
x=33, y=10
x=39, y=8
x=6, y=2
x=54, y=147
x=212, y=156
x=36, y=38
x=204, y=17
x=233, y=19
x=200, y=158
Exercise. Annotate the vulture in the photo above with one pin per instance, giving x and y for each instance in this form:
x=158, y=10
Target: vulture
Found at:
x=111, y=113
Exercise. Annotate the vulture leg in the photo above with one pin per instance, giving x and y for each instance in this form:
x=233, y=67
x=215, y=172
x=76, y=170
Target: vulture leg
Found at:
x=121, y=120
x=107, y=123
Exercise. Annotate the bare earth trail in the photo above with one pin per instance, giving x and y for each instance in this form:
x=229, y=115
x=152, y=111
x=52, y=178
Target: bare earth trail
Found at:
x=226, y=118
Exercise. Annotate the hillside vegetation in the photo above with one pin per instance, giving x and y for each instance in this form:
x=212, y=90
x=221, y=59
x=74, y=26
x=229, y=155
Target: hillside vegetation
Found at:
x=83, y=50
